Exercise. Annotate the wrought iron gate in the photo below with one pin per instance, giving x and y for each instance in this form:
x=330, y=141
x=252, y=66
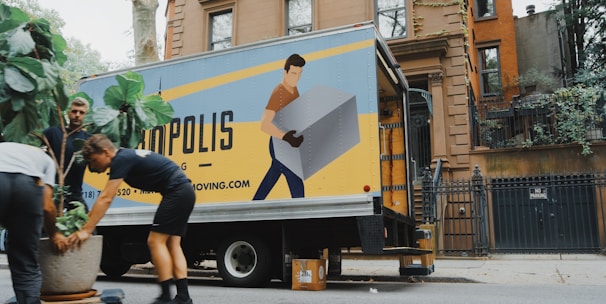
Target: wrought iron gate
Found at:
x=550, y=213
x=554, y=213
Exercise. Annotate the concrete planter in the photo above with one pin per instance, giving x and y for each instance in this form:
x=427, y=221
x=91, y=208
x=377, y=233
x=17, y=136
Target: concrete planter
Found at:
x=72, y=273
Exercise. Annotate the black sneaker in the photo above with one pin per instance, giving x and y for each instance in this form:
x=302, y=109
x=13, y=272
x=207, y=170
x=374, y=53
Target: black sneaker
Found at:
x=179, y=301
x=161, y=301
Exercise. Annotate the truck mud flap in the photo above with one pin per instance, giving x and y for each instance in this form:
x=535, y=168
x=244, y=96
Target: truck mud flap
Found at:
x=372, y=232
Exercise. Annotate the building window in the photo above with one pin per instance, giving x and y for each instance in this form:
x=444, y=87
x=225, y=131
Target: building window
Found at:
x=221, y=29
x=299, y=15
x=391, y=18
x=490, y=71
x=485, y=8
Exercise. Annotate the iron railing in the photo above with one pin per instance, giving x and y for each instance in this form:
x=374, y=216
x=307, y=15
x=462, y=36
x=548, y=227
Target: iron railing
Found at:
x=549, y=213
x=523, y=122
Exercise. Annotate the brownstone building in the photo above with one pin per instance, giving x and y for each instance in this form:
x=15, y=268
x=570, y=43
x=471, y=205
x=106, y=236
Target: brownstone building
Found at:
x=458, y=56
x=456, y=52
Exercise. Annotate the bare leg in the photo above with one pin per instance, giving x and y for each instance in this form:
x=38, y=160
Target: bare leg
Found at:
x=179, y=263
x=160, y=254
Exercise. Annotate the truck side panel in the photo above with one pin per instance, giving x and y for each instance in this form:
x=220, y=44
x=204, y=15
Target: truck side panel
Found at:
x=219, y=99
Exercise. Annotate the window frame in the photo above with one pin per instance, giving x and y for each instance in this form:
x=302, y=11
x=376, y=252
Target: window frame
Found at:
x=493, y=12
x=403, y=8
x=288, y=28
x=483, y=71
x=211, y=17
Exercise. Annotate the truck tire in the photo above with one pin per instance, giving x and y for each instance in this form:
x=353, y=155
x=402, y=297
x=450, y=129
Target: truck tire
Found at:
x=244, y=262
x=112, y=262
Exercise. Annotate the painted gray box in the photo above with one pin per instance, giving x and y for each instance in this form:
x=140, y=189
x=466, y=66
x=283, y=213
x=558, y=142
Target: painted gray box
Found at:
x=328, y=120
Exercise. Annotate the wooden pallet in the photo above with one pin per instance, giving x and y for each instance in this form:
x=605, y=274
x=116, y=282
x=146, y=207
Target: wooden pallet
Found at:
x=91, y=300
x=112, y=296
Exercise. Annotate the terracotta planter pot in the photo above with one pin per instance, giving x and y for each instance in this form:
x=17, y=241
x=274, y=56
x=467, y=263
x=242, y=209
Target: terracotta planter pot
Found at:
x=72, y=273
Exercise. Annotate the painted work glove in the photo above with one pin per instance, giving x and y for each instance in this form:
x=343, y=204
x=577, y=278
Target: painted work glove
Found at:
x=294, y=142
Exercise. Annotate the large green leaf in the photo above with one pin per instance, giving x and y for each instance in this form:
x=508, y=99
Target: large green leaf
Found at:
x=163, y=111
x=114, y=97
x=60, y=45
x=47, y=110
x=20, y=41
x=50, y=78
x=113, y=129
x=144, y=120
x=17, y=103
x=27, y=65
x=102, y=116
x=11, y=18
x=17, y=81
x=132, y=83
x=24, y=122
x=59, y=93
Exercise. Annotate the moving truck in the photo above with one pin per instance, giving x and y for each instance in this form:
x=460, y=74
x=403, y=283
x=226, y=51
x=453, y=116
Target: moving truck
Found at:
x=337, y=179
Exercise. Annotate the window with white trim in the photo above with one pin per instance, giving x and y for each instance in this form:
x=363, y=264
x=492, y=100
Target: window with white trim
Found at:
x=221, y=26
x=299, y=17
x=391, y=18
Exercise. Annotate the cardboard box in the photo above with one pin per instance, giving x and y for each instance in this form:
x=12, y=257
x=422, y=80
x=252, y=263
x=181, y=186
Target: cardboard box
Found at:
x=328, y=120
x=308, y=274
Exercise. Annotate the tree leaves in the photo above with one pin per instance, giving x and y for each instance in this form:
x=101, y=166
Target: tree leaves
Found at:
x=129, y=112
x=30, y=72
x=20, y=42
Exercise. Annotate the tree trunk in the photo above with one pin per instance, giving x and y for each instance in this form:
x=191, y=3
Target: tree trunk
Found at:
x=144, y=27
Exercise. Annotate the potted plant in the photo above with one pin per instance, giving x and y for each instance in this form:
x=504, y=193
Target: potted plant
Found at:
x=33, y=97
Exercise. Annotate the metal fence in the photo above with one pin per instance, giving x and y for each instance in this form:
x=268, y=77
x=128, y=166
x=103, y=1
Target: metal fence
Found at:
x=523, y=122
x=550, y=213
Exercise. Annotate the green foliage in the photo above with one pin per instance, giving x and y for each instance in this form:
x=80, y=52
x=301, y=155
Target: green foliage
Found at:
x=30, y=64
x=576, y=113
x=585, y=28
x=532, y=77
x=82, y=60
x=128, y=112
x=33, y=95
x=72, y=220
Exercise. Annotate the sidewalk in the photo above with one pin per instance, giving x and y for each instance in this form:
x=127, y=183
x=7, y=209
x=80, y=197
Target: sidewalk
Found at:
x=569, y=269
x=572, y=269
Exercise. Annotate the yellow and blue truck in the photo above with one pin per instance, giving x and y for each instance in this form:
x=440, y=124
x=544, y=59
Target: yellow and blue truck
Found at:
x=341, y=180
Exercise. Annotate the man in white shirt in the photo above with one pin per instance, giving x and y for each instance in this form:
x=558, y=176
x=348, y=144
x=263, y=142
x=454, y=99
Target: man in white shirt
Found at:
x=27, y=177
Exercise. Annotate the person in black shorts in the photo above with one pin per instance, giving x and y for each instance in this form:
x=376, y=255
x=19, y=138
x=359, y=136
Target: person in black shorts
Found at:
x=147, y=171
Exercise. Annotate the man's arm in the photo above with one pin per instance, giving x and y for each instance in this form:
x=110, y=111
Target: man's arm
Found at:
x=99, y=209
x=268, y=126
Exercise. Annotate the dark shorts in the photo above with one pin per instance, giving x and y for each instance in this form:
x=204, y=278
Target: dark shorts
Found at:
x=174, y=210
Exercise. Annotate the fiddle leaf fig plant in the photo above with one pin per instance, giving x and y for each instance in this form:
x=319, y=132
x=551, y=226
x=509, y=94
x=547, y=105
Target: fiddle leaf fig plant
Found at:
x=128, y=111
x=72, y=220
x=33, y=97
x=31, y=57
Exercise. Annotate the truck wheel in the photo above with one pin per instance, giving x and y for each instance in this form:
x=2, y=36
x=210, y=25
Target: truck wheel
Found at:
x=334, y=262
x=244, y=262
x=112, y=263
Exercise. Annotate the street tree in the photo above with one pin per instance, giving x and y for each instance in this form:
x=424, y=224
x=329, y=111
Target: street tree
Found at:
x=585, y=28
x=144, y=27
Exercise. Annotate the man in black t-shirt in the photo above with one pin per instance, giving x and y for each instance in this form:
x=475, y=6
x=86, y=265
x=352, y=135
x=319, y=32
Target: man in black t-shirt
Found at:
x=147, y=171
